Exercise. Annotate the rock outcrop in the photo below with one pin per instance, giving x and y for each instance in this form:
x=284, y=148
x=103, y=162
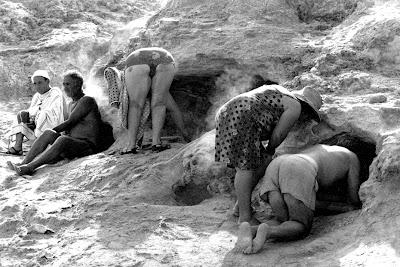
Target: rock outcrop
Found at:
x=173, y=208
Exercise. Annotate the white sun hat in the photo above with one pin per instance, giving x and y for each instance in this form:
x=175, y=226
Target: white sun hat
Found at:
x=41, y=73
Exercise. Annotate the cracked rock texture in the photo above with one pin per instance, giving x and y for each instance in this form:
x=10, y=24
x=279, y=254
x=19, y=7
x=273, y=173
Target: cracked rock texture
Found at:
x=174, y=208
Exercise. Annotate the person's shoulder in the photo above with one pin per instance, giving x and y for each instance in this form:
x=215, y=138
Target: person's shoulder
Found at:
x=56, y=91
x=89, y=101
x=339, y=149
x=350, y=155
x=35, y=95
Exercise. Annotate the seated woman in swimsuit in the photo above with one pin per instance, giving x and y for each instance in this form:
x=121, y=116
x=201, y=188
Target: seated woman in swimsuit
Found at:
x=146, y=70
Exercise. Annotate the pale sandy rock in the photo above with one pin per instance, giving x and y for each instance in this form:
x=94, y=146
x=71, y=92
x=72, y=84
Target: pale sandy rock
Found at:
x=377, y=99
x=174, y=208
x=354, y=81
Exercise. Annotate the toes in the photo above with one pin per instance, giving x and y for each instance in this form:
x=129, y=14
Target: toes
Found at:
x=248, y=250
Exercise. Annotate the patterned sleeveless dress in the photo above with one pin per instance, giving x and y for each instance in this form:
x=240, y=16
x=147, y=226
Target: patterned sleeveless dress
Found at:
x=243, y=122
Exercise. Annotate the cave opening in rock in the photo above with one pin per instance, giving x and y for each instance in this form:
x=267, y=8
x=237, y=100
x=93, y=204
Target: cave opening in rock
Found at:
x=191, y=194
x=191, y=94
x=364, y=149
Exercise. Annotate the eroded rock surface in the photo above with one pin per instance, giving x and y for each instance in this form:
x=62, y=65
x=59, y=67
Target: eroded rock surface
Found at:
x=174, y=208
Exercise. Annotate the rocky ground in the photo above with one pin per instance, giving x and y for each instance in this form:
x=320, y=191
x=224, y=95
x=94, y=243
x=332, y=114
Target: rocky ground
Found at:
x=174, y=208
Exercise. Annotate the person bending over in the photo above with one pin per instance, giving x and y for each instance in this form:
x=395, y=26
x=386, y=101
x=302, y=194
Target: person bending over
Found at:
x=148, y=72
x=268, y=113
x=78, y=136
x=289, y=186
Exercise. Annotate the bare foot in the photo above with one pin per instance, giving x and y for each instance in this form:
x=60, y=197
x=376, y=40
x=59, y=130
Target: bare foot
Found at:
x=261, y=237
x=252, y=221
x=236, y=209
x=245, y=238
x=23, y=170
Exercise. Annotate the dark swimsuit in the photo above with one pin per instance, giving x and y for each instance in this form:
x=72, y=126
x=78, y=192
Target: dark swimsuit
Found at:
x=152, y=56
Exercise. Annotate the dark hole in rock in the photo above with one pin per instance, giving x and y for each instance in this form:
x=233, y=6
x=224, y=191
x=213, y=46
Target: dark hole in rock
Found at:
x=191, y=93
x=365, y=151
x=191, y=194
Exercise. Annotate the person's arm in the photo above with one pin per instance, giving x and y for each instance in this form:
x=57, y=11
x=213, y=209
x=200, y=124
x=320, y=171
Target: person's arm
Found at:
x=34, y=106
x=84, y=106
x=333, y=207
x=50, y=113
x=353, y=180
x=284, y=125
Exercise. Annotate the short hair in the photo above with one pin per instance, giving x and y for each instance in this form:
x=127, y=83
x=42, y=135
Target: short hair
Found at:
x=76, y=75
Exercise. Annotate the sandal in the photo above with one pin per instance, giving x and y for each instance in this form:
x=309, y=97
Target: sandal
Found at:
x=131, y=151
x=160, y=147
x=13, y=151
x=146, y=146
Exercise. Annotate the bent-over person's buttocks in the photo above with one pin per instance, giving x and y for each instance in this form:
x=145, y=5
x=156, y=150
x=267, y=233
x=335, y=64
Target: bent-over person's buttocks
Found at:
x=290, y=185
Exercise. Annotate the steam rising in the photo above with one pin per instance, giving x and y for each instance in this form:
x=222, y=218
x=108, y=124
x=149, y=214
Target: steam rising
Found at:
x=231, y=83
x=96, y=88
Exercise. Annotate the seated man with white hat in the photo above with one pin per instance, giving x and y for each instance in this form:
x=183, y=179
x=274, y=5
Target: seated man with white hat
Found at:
x=47, y=110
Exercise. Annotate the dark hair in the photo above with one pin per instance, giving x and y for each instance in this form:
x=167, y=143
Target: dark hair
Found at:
x=76, y=75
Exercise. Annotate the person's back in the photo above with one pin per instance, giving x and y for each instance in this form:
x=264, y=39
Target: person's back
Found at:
x=333, y=163
x=290, y=185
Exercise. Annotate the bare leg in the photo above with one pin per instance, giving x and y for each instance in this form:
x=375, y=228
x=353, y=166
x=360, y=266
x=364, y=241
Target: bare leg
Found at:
x=275, y=199
x=297, y=226
x=138, y=85
x=289, y=230
x=160, y=89
x=22, y=116
x=244, y=184
x=177, y=116
x=236, y=209
x=245, y=237
x=40, y=144
x=19, y=138
x=62, y=146
x=259, y=240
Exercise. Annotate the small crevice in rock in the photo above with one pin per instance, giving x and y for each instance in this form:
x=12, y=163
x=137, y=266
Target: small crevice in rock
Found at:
x=191, y=194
